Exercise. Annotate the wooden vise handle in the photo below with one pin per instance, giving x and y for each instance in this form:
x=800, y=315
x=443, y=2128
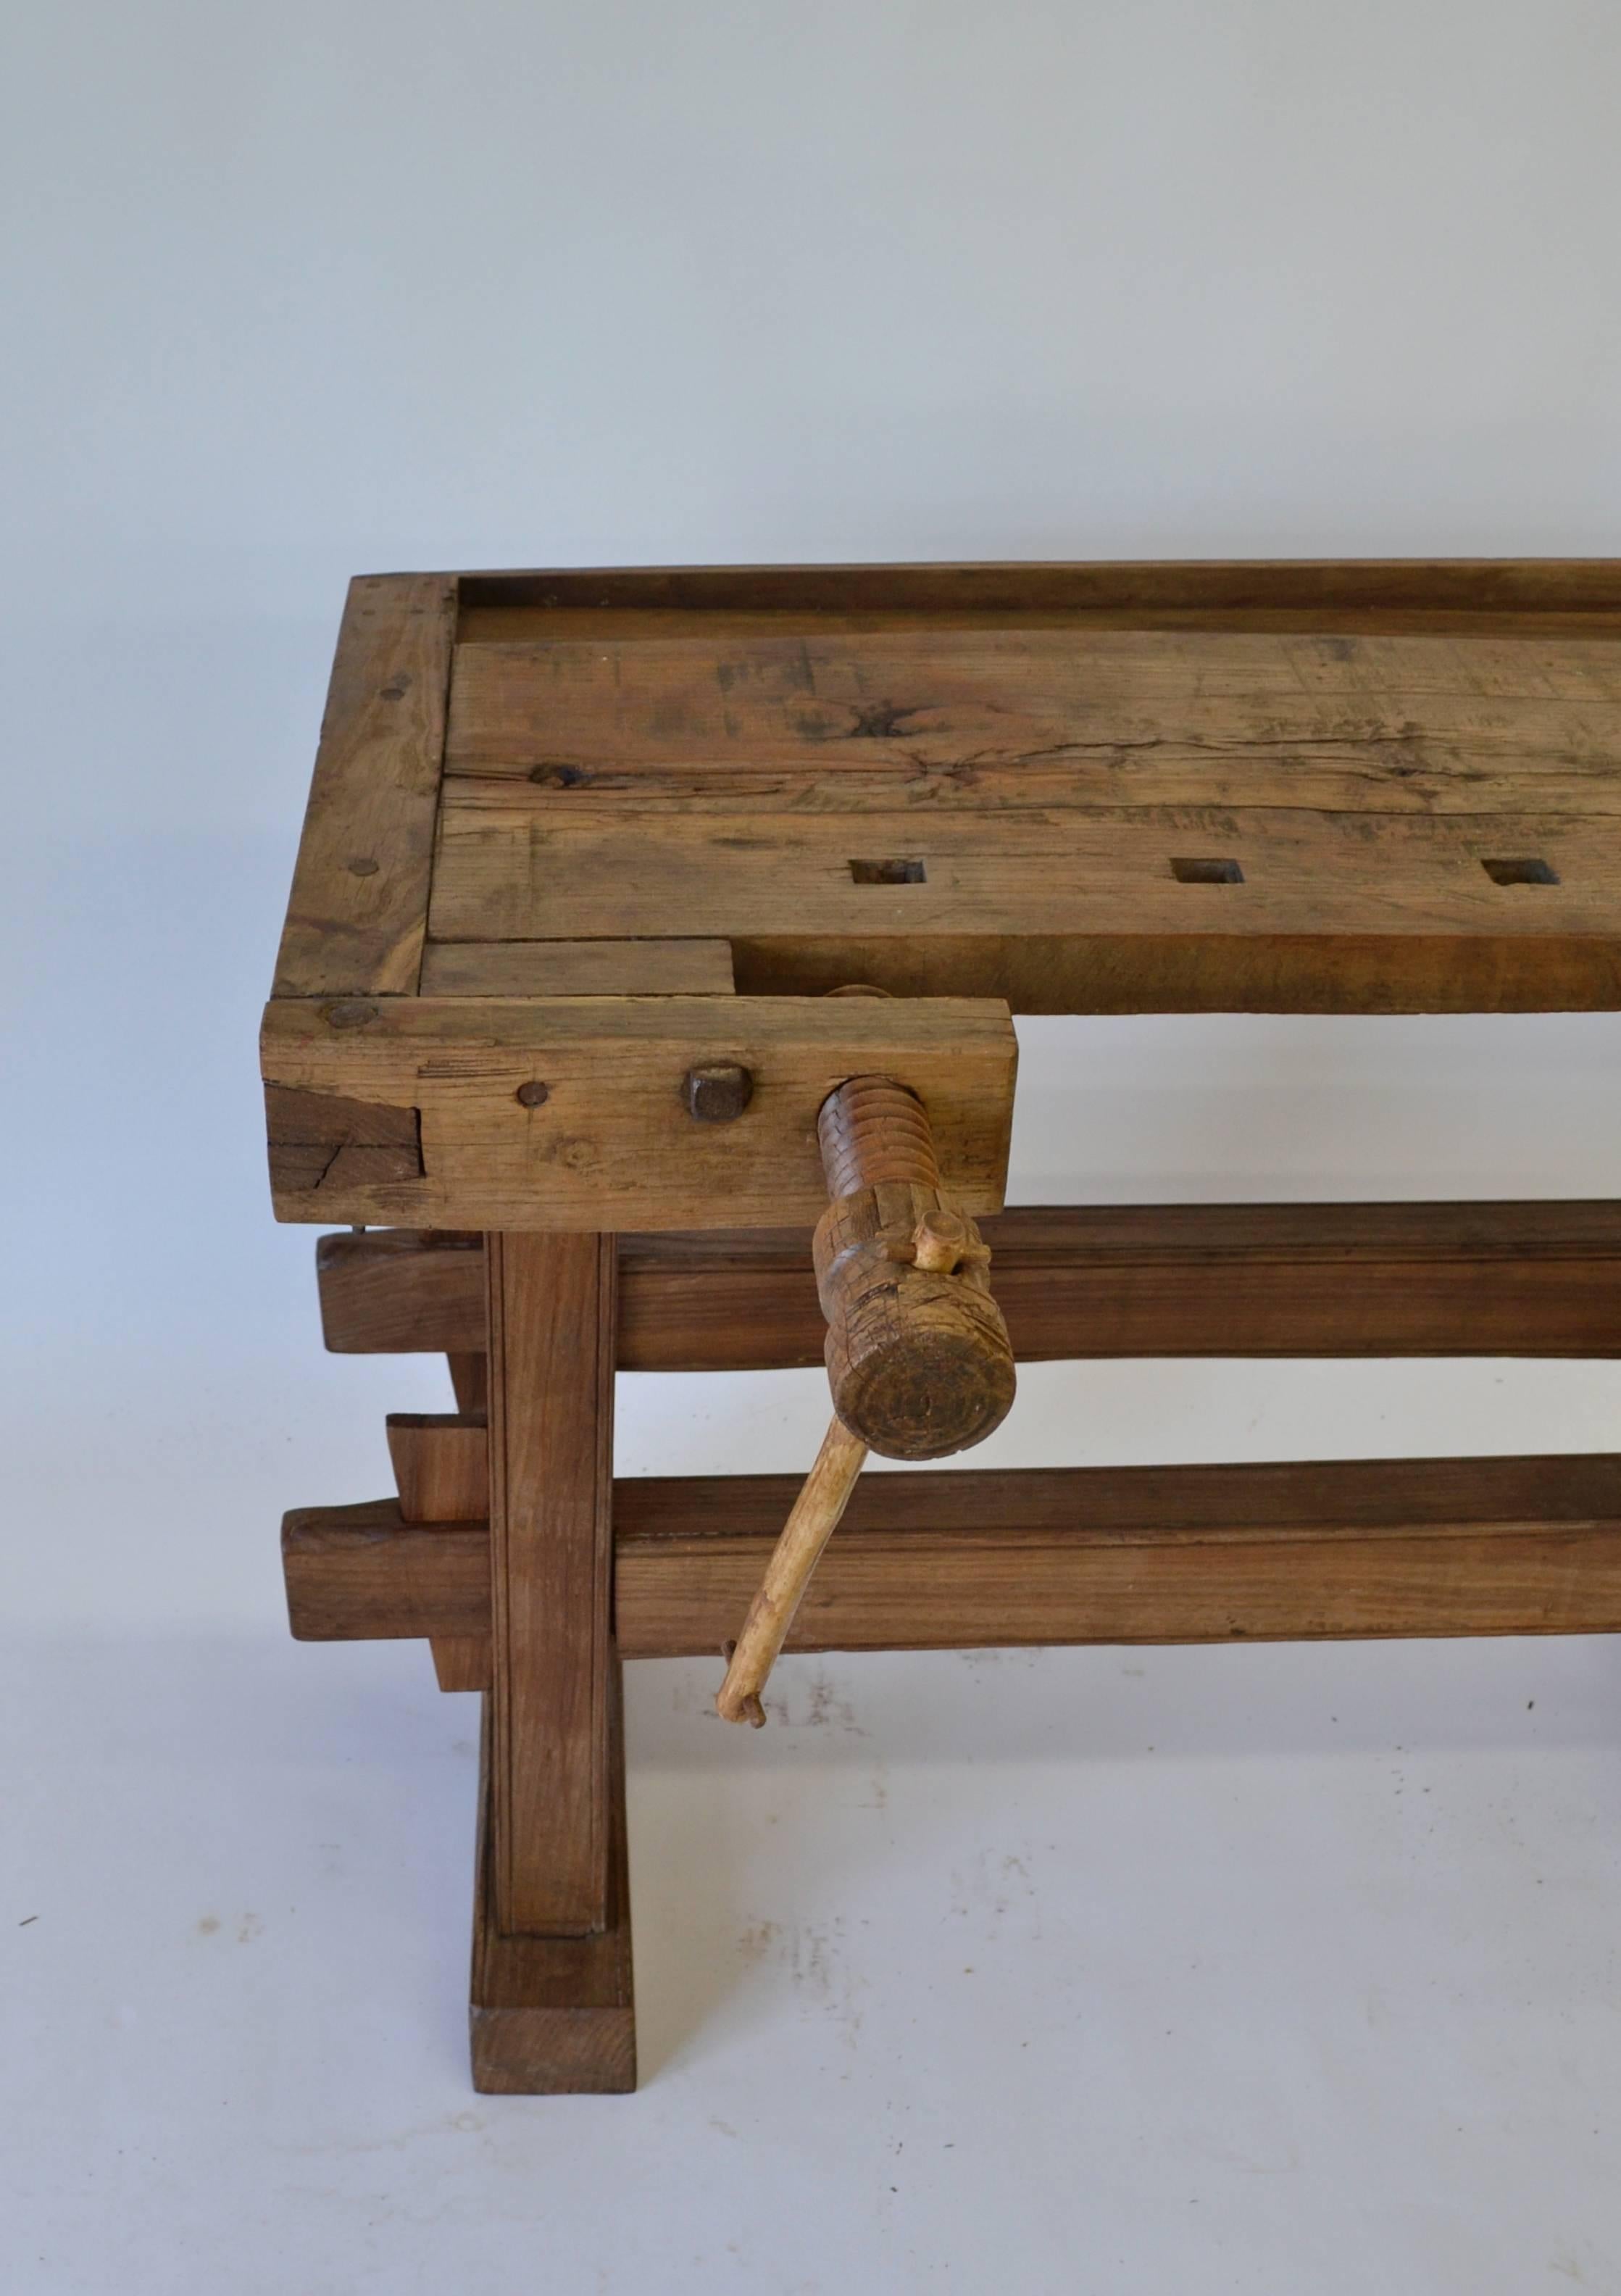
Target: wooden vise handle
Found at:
x=917, y=1352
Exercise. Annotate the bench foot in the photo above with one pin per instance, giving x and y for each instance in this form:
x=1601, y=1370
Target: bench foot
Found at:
x=553, y=2016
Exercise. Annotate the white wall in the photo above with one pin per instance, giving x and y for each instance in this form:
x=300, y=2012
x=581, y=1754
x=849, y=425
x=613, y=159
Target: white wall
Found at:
x=296, y=292
x=293, y=290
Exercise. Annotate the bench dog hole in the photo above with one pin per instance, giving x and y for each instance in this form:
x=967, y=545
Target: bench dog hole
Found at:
x=1526, y=872
x=888, y=872
x=1206, y=872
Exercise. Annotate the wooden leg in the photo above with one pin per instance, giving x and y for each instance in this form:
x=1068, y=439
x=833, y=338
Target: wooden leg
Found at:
x=553, y=2015
x=552, y=2000
x=470, y=1378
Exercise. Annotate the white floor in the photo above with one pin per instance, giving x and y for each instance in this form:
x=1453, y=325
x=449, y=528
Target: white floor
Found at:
x=1262, y=1969
x=1279, y=1972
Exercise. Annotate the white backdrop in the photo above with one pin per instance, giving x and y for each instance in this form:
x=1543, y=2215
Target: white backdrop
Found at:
x=291, y=292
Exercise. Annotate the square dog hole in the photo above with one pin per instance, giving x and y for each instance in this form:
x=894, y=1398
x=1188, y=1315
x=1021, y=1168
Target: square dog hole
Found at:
x=888, y=872
x=1206, y=872
x=1525, y=871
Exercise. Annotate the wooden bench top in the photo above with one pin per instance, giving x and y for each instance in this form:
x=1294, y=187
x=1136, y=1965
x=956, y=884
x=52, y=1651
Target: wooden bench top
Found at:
x=1367, y=787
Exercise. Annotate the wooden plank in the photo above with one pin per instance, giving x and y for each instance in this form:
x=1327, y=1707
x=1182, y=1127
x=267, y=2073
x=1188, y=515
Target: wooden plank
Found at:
x=357, y=914
x=970, y=1557
x=577, y=968
x=610, y=1143
x=923, y=719
x=402, y=1290
x=364, y=1574
x=441, y=1465
x=554, y=2015
x=1075, y=1282
x=1101, y=873
x=550, y=1305
x=1344, y=1550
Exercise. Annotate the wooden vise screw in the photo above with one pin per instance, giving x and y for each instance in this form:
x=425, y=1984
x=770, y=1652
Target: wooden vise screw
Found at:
x=917, y=1352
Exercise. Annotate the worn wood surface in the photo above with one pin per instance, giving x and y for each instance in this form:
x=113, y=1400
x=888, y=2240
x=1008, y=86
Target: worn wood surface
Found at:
x=1321, y=788
x=611, y=1144
x=577, y=968
x=392, y=1291
x=961, y=719
x=1073, y=1281
x=317, y=1140
x=441, y=1470
x=1072, y=911
x=554, y=2015
x=357, y=915
x=962, y=1558
x=551, y=1304
x=754, y=753
x=365, y=1574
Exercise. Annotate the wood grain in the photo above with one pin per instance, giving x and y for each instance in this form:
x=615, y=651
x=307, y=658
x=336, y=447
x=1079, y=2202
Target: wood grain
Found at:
x=357, y=915
x=612, y=1145
x=1101, y=873
x=317, y=1140
x=974, y=719
x=577, y=968
x=971, y=1557
x=441, y=1465
x=1074, y=1282
x=1348, y=1549
x=364, y=1574
x=550, y=1306
x=554, y=2015
x=405, y=1291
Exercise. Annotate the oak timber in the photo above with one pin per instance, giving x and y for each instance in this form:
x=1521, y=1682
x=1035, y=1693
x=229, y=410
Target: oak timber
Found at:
x=554, y=2015
x=610, y=1143
x=550, y=1305
x=1065, y=911
x=577, y=968
x=441, y=1469
x=357, y=914
x=1074, y=1282
x=971, y=1557
x=441, y=1465
x=364, y=1574
x=977, y=719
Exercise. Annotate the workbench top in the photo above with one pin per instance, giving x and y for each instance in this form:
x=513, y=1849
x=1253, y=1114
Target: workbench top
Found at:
x=581, y=807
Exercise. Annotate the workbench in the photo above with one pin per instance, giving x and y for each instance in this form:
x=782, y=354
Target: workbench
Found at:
x=614, y=886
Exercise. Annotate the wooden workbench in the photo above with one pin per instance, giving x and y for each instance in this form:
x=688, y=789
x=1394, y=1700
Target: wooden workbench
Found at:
x=585, y=855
